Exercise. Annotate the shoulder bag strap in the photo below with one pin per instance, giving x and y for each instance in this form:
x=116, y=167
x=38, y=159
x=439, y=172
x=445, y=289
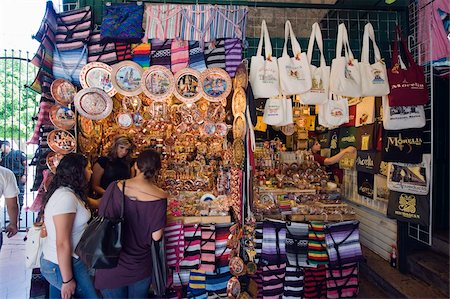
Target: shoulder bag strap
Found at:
x=296, y=49
x=122, y=202
x=266, y=38
x=369, y=34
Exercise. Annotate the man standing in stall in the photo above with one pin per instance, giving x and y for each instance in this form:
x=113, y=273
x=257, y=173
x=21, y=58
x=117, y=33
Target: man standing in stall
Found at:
x=8, y=189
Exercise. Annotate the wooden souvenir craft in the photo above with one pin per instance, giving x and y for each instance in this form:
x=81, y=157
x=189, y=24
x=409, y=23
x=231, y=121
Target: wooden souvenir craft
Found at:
x=239, y=101
x=63, y=91
x=126, y=78
x=233, y=288
x=131, y=104
x=86, y=125
x=93, y=103
x=97, y=74
x=239, y=126
x=53, y=160
x=221, y=129
x=215, y=113
x=288, y=130
x=215, y=84
x=158, y=83
x=86, y=145
x=190, y=114
x=237, y=266
x=241, y=77
x=61, y=141
x=187, y=87
x=209, y=128
x=238, y=152
x=62, y=117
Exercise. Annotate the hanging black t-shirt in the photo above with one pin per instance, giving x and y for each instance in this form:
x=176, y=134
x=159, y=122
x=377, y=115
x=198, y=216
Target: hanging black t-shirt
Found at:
x=117, y=169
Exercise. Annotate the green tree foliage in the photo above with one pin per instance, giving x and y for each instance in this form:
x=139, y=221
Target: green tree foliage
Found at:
x=18, y=104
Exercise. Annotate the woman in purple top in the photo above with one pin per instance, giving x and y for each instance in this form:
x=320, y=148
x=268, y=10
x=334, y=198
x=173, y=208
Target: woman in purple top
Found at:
x=145, y=208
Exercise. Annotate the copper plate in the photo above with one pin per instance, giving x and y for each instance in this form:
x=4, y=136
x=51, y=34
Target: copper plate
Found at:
x=62, y=117
x=124, y=120
x=233, y=288
x=215, y=84
x=86, y=125
x=239, y=101
x=241, y=77
x=61, y=141
x=86, y=145
x=126, y=78
x=53, y=160
x=132, y=104
x=221, y=129
x=97, y=74
x=63, y=91
x=187, y=87
x=237, y=266
x=158, y=83
x=93, y=103
x=239, y=126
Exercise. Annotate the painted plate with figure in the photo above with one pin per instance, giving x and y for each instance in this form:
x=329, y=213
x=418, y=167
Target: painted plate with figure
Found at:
x=63, y=91
x=215, y=84
x=126, y=78
x=97, y=74
x=158, y=83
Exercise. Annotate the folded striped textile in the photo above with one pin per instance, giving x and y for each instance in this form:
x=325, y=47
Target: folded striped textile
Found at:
x=315, y=283
x=141, y=55
x=197, y=285
x=258, y=240
x=48, y=22
x=297, y=244
x=181, y=278
x=274, y=243
x=192, y=241
x=215, y=54
x=343, y=244
x=293, y=283
x=216, y=282
x=196, y=57
x=74, y=28
x=161, y=21
x=196, y=22
x=179, y=55
x=342, y=282
x=230, y=21
x=174, y=235
x=68, y=64
x=43, y=119
x=221, y=251
x=317, y=246
x=98, y=52
x=123, y=51
x=208, y=248
x=233, y=55
x=273, y=281
x=44, y=61
x=257, y=278
x=160, y=52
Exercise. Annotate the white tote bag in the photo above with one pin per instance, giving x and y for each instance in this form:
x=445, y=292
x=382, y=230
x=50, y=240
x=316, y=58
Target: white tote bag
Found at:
x=320, y=76
x=374, y=80
x=365, y=112
x=295, y=76
x=321, y=115
x=33, y=247
x=336, y=111
x=264, y=70
x=274, y=111
x=402, y=117
x=288, y=117
x=345, y=77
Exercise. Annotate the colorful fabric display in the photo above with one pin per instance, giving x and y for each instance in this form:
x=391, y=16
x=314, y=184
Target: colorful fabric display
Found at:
x=315, y=284
x=222, y=252
x=43, y=119
x=274, y=243
x=48, y=22
x=174, y=235
x=258, y=240
x=44, y=60
x=160, y=52
x=49, y=40
x=192, y=240
x=141, y=55
x=196, y=57
x=122, y=22
x=257, y=278
x=196, y=22
x=215, y=54
x=101, y=53
x=161, y=21
x=317, y=247
x=68, y=64
x=273, y=279
x=179, y=55
x=233, y=55
x=343, y=243
x=342, y=282
x=123, y=51
x=197, y=285
x=293, y=283
x=208, y=248
x=216, y=282
x=297, y=244
x=74, y=28
x=181, y=278
x=230, y=21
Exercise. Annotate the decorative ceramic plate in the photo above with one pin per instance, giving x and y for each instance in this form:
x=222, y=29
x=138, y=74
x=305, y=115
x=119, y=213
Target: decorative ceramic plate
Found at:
x=215, y=113
x=215, y=84
x=238, y=152
x=63, y=91
x=61, y=141
x=97, y=74
x=62, y=117
x=239, y=126
x=132, y=104
x=159, y=111
x=221, y=129
x=233, y=288
x=187, y=87
x=241, y=77
x=158, y=83
x=237, y=266
x=53, y=160
x=93, y=103
x=190, y=114
x=126, y=78
x=124, y=120
x=209, y=128
x=239, y=101
x=207, y=197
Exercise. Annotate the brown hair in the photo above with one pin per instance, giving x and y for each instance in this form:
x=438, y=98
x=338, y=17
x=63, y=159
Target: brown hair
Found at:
x=120, y=140
x=311, y=142
x=149, y=162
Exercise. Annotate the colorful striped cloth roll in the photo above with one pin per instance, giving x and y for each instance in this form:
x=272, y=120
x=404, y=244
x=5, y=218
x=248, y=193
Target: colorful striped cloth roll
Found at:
x=73, y=28
x=181, y=278
x=141, y=55
x=48, y=22
x=274, y=243
x=174, y=235
x=208, y=248
x=317, y=246
x=342, y=282
x=43, y=119
x=297, y=244
x=293, y=283
x=343, y=243
x=48, y=40
x=222, y=252
x=230, y=21
x=179, y=55
x=233, y=55
x=123, y=51
x=216, y=282
x=160, y=52
x=197, y=285
x=215, y=54
x=161, y=21
x=102, y=53
x=257, y=277
x=273, y=280
x=196, y=57
x=68, y=64
x=44, y=60
x=258, y=240
x=196, y=22
x=192, y=241
x=315, y=283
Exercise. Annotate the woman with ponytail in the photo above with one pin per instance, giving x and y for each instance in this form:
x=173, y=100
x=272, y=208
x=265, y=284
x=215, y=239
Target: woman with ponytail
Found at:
x=145, y=208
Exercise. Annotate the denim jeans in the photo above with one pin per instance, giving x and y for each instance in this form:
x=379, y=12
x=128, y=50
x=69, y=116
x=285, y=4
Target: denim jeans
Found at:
x=52, y=273
x=136, y=290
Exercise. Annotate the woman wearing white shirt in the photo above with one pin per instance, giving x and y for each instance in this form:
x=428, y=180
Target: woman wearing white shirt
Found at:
x=66, y=216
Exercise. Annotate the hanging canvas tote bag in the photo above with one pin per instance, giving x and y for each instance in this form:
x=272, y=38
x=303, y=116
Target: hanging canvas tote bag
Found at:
x=274, y=111
x=402, y=117
x=122, y=22
x=408, y=86
x=264, y=70
x=295, y=76
x=34, y=244
x=345, y=77
x=320, y=76
x=373, y=76
x=365, y=112
x=336, y=111
x=287, y=112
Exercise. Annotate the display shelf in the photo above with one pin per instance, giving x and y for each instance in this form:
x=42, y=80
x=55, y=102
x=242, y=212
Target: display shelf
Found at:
x=285, y=190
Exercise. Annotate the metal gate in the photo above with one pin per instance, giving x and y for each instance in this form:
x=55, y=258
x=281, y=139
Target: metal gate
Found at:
x=18, y=106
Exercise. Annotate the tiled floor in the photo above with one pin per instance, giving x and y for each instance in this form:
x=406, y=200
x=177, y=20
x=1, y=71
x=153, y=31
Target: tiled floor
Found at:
x=15, y=278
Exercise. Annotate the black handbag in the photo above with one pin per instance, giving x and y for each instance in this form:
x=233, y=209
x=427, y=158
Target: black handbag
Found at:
x=101, y=242
x=159, y=272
